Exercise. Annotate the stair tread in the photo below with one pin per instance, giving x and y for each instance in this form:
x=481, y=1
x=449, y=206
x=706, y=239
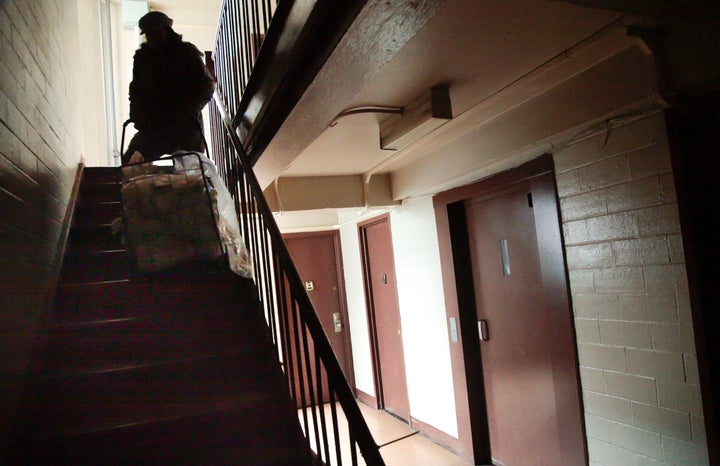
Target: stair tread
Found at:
x=137, y=340
x=93, y=238
x=83, y=302
x=151, y=412
x=90, y=266
x=99, y=400
x=214, y=437
x=237, y=350
x=101, y=252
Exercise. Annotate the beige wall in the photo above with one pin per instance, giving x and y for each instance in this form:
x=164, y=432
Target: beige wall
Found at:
x=630, y=297
x=39, y=153
x=96, y=147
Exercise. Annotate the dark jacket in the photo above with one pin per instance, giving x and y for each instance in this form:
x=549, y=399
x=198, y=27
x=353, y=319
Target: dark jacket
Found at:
x=170, y=87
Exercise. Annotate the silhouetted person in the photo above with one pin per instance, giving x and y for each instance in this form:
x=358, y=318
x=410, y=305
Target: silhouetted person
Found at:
x=169, y=88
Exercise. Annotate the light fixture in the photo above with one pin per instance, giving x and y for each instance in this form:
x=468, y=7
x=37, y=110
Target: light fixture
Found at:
x=421, y=116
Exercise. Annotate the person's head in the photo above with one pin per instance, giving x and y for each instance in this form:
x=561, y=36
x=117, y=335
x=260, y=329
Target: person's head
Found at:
x=156, y=27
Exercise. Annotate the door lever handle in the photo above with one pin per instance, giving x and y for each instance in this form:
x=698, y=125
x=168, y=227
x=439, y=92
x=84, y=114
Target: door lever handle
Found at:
x=483, y=330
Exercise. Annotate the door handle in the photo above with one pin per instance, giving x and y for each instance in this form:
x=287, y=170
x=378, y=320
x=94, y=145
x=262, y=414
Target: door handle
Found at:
x=337, y=323
x=483, y=330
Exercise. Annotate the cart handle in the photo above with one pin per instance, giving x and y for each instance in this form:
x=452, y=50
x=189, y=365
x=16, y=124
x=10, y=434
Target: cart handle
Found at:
x=130, y=120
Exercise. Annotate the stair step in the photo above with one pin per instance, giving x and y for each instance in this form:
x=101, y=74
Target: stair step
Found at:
x=95, y=266
x=260, y=434
x=96, y=213
x=93, y=175
x=100, y=192
x=93, y=238
x=124, y=342
x=101, y=400
x=86, y=302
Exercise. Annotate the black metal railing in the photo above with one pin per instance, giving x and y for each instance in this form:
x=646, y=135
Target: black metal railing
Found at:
x=242, y=27
x=328, y=412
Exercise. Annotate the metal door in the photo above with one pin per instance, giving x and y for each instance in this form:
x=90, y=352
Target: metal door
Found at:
x=516, y=330
x=384, y=318
x=317, y=258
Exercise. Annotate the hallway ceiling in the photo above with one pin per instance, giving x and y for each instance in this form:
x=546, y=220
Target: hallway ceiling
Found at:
x=478, y=48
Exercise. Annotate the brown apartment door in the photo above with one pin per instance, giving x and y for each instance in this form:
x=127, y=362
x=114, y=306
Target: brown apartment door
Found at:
x=318, y=259
x=384, y=317
x=525, y=347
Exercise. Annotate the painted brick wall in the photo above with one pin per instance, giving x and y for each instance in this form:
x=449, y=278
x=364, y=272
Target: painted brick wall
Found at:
x=39, y=155
x=630, y=297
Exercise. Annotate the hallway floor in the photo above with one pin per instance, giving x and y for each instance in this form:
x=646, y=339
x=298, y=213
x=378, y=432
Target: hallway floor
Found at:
x=399, y=443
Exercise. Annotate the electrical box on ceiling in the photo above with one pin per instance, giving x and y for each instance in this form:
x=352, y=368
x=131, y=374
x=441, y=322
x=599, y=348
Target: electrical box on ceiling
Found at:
x=132, y=11
x=420, y=117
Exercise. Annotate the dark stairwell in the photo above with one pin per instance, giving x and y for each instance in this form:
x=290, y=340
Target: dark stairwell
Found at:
x=201, y=367
x=179, y=368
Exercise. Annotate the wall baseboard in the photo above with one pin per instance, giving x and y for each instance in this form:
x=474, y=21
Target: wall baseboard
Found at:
x=436, y=435
x=365, y=398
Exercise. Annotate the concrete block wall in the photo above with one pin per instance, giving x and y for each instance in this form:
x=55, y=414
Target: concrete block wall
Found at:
x=39, y=155
x=630, y=298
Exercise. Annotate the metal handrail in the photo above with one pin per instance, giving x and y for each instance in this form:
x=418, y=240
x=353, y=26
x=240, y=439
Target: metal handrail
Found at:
x=314, y=376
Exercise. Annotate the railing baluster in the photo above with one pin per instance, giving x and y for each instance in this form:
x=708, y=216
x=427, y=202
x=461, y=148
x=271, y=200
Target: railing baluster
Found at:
x=247, y=51
x=228, y=63
x=299, y=361
x=256, y=36
x=336, y=428
x=353, y=453
x=321, y=407
x=271, y=296
x=285, y=330
x=310, y=385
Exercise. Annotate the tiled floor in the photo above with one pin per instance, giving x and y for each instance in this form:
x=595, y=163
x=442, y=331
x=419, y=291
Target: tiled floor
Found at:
x=399, y=444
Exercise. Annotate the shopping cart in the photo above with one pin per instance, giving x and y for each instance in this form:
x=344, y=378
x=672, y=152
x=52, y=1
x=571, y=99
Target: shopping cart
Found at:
x=178, y=215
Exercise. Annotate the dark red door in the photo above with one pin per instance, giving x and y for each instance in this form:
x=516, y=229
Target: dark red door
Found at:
x=384, y=318
x=317, y=258
x=516, y=331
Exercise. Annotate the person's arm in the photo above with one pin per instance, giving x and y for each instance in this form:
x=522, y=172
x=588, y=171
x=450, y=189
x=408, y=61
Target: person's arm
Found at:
x=200, y=84
x=138, y=102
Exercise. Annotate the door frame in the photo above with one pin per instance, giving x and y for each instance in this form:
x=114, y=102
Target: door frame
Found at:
x=347, y=343
x=456, y=269
x=690, y=129
x=377, y=401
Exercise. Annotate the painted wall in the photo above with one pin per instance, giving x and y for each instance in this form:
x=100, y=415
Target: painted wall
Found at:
x=630, y=294
x=40, y=148
x=96, y=148
x=357, y=310
x=422, y=311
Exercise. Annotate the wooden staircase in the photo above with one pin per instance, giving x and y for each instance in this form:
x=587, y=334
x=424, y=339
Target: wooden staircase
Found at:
x=177, y=368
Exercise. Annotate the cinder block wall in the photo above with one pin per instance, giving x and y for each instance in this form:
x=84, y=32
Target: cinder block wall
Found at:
x=630, y=296
x=39, y=156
